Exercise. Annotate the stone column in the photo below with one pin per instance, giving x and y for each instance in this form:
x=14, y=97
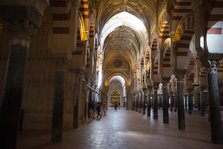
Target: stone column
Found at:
x=18, y=21
x=175, y=99
x=197, y=98
x=180, y=83
x=221, y=93
x=77, y=93
x=185, y=102
x=133, y=101
x=140, y=103
x=165, y=102
x=58, y=101
x=136, y=102
x=149, y=103
x=155, y=100
x=88, y=98
x=144, y=103
x=129, y=102
x=202, y=101
x=171, y=102
x=214, y=103
x=190, y=101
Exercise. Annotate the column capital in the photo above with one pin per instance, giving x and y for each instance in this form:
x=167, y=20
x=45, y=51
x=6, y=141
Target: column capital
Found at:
x=40, y=5
x=180, y=74
x=165, y=80
x=213, y=66
x=190, y=90
x=156, y=85
x=149, y=87
x=21, y=21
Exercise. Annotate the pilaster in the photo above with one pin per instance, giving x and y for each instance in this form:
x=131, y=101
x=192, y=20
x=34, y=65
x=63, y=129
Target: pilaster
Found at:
x=22, y=22
x=58, y=101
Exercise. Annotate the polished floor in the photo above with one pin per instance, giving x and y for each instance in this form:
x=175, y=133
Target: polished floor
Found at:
x=124, y=129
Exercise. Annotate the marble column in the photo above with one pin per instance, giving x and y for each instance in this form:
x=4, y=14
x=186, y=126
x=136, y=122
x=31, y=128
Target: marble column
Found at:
x=197, y=98
x=214, y=103
x=185, y=102
x=144, y=104
x=140, y=103
x=149, y=103
x=17, y=22
x=155, y=100
x=133, y=102
x=202, y=101
x=190, y=101
x=136, y=102
x=171, y=102
x=221, y=93
x=175, y=99
x=181, y=115
x=165, y=102
x=77, y=93
x=58, y=105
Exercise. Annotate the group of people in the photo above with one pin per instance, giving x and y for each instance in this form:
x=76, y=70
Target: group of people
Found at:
x=96, y=110
x=116, y=105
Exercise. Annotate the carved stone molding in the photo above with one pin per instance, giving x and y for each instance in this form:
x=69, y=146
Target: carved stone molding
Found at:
x=21, y=32
x=22, y=22
x=213, y=66
x=165, y=80
x=156, y=85
x=180, y=73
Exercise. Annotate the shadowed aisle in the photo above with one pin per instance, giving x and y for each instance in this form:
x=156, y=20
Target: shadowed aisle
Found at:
x=123, y=129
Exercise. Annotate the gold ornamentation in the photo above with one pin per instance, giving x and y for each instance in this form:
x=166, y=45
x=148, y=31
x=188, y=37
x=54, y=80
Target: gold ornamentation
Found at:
x=179, y=31
x=83, y=31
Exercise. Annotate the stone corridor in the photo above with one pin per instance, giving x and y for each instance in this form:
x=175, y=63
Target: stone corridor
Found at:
x=124, y=129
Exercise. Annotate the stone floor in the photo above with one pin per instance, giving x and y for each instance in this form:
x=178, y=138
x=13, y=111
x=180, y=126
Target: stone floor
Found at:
x=123, y=129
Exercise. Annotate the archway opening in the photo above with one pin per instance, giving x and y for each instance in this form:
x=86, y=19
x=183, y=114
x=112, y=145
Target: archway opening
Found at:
x=117, y=91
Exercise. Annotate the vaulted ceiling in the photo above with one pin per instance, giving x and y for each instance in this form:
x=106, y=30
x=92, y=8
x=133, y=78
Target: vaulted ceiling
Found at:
x=125, y=44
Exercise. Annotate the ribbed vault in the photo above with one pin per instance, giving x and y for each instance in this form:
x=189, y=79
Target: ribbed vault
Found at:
x=144, y=9
x=125, y=28
x=123, y=40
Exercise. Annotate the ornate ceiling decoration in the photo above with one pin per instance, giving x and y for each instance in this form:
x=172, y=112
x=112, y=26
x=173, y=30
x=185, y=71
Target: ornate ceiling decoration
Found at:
x=124, y=45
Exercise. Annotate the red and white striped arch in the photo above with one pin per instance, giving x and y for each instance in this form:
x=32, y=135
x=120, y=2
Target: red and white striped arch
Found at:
x=164, y=31
x=61, y=15
x=85, y=13
x=154, y=56
x=164, y=36
x=220, y=71
x=166, y=65
x=183, y=24
x=186, y=26
x=220, y=67
x=181, y=9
